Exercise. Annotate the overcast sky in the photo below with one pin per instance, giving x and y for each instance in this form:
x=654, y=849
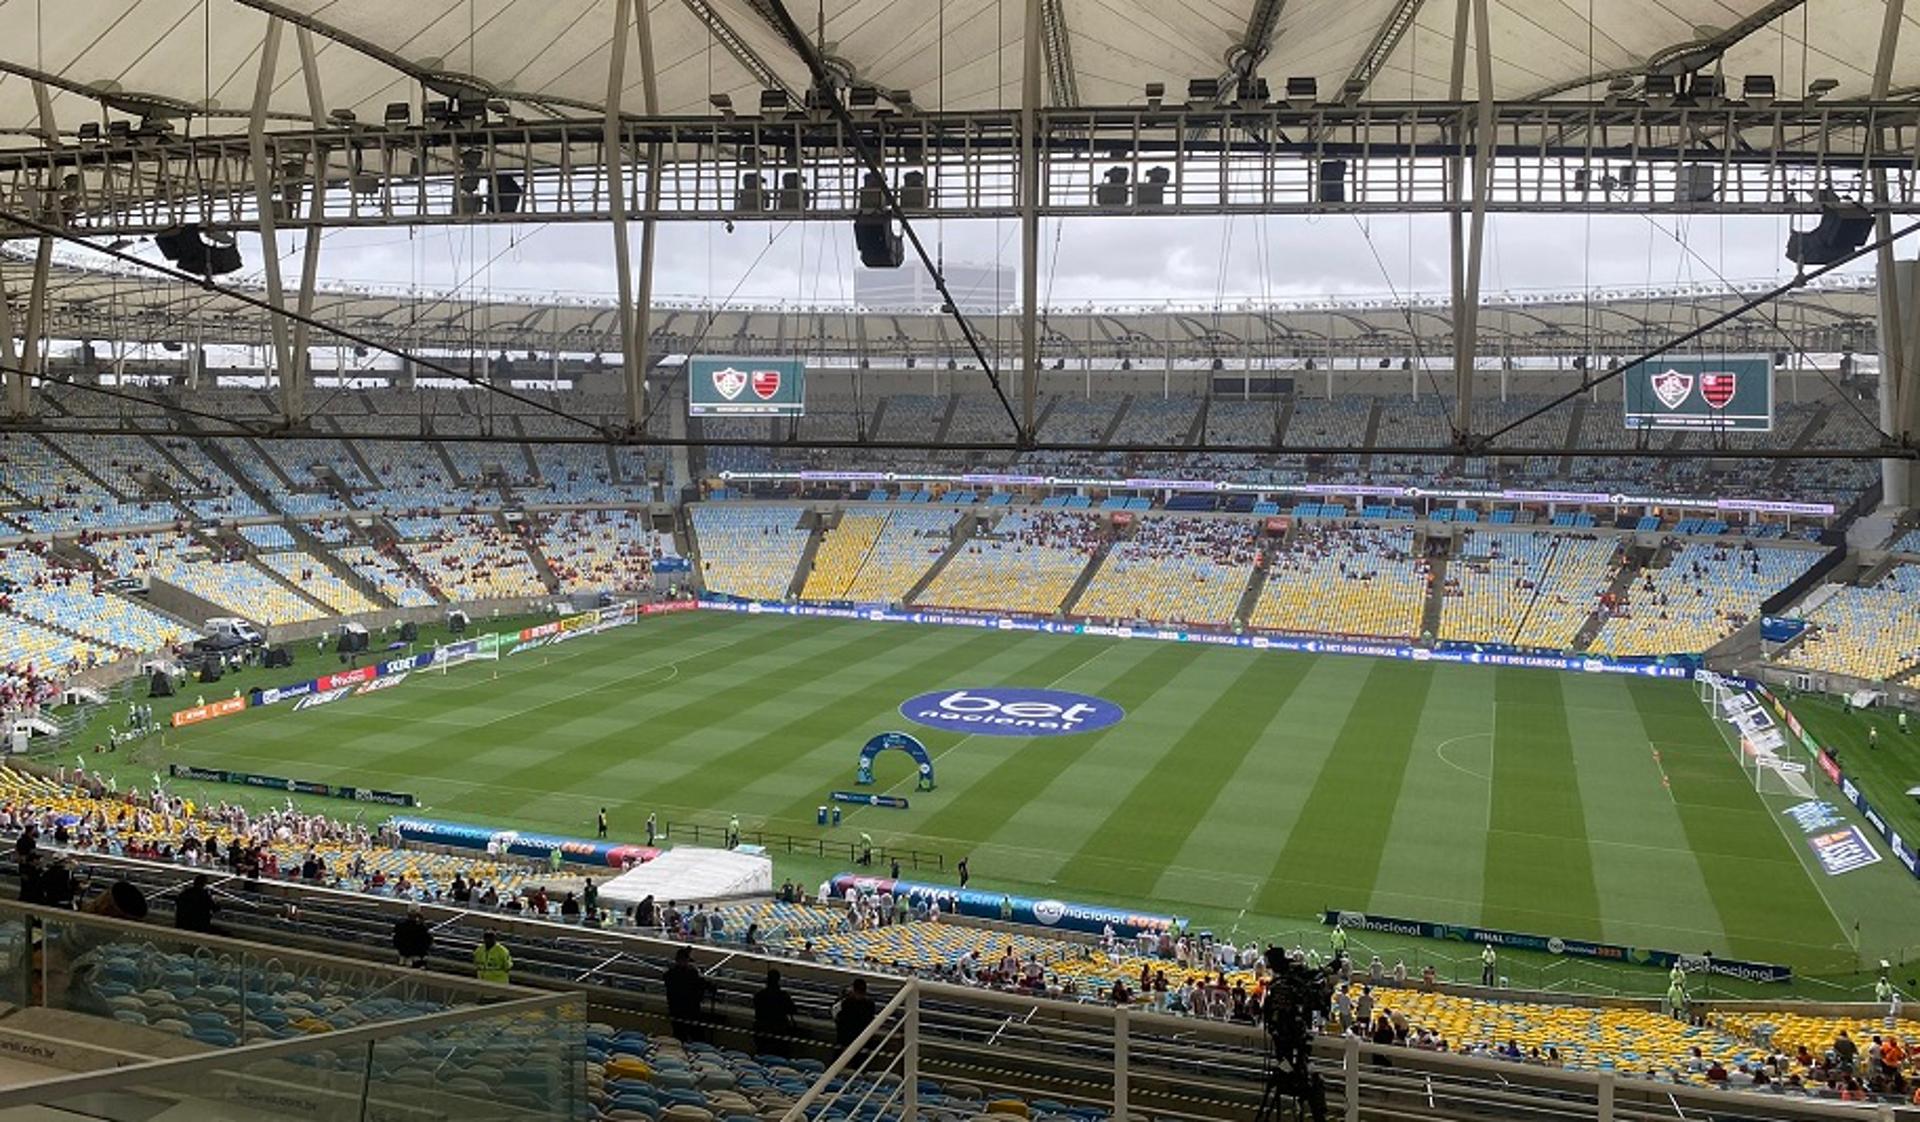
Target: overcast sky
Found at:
x=1089, y=259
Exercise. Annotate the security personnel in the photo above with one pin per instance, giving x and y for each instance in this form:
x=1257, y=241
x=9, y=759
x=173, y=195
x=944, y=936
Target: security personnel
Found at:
x=1487, y=975
x=491, y=961
x=1339, y=938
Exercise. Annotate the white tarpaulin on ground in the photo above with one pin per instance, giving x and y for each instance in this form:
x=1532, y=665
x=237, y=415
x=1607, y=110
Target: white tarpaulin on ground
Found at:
x=690, y=873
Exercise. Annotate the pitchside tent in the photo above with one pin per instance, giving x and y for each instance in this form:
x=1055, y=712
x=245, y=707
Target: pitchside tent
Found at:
x=691, y=873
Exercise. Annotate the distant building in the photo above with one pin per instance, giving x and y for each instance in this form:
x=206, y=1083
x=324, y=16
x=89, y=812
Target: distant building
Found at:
x=976, y=288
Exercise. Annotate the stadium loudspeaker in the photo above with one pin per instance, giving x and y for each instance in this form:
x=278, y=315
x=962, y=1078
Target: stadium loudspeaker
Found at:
x=1830, y=241
x=121, y=900
x=183, y=247
x=880, y=247
x=159, y=685
x=1331, y=177
x=409, y=632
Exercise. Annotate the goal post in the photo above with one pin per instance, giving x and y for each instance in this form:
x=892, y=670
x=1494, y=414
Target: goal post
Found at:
x=485, y=648
x=1771, y=775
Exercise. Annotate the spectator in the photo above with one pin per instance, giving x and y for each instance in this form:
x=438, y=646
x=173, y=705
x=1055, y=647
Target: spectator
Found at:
x=853, y=1014
x=773, y=1018
x=193, y=911
x=412, y=939
x=686, y=989
x=492, y=962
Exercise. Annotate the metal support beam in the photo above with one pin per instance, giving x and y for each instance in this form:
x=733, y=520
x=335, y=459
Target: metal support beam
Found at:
x=18, y=391
x=1062, y=82
x=1375, y=57
x=1897, y=380
x=316, y=199
x=1467, y=254
x=292, y=396
x=616, y=165
x=1900, y=388
x=649, y=229
x=1256, y=42
x=1030, y=219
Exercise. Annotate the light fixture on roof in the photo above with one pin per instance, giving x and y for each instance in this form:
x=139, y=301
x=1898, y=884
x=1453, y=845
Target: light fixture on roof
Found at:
x=1707, y=89
x=1156, y=94
x=90, y=132
x=774, y=104
x=398, y=115
x=1821, y=87
x=1203, y=93
x=342, y=118
x=1618, y=87
x=1152, y=188
x=863, y=100
x=1661, y=89
x=722, y=104
x=902, y=100
x=1759, y=90
x=1302, y=92
x=1112, y=190
x=1351, y=91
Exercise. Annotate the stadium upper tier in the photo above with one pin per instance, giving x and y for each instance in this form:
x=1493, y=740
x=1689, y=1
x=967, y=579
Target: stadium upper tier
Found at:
x=359, y=459
x=342, y=521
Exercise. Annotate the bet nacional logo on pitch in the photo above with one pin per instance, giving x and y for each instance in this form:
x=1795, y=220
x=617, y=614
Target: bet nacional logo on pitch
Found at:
x=996, y=711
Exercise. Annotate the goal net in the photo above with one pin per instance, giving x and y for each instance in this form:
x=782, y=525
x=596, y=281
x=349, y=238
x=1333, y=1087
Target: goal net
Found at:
x=484, y=649
x=1772, y=775
x=1753, y=736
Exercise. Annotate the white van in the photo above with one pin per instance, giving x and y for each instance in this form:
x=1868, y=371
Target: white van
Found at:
x=236, y=628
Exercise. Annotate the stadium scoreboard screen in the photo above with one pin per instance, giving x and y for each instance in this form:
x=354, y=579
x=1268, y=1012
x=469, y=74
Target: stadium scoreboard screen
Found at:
x=1726, y=393
x=746, y=387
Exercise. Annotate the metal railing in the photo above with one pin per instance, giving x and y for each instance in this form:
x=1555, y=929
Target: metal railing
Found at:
x=1127, y=1061
x=701, y=834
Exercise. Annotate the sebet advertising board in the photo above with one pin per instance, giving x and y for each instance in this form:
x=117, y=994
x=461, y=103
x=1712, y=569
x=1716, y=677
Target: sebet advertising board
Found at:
x=746, y=387
x=1726, y=393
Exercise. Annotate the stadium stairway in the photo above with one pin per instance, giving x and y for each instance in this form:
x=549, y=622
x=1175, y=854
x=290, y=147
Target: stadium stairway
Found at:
x=962, y=532
x=526, y=452
x=359, y=461
x=1119, y=415
x=382, y=536
x=1623, y=578
x=1436, y=592
x=1373, y=433
x=1243, y=612
x=1087, y=573
x=1781, y=468
x=1576, y=417
x=1283, y=420
x=530, y=545
x=81, y=467
x=240, y=478
x=946, y=417
x=318, y=550
x=816, y=523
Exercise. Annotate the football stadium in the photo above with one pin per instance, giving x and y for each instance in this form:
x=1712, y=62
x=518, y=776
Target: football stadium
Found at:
x=737, y=560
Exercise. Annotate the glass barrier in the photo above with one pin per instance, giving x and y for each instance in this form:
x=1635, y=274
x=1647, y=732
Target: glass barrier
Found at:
x=516, y=1060
x=214, y=991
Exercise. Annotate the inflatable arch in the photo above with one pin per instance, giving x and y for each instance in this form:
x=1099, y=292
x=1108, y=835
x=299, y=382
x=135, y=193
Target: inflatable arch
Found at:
x=899, y=741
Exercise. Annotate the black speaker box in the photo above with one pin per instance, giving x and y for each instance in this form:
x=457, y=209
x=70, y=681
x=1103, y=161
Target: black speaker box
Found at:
x=880, y=247
x=159, y=685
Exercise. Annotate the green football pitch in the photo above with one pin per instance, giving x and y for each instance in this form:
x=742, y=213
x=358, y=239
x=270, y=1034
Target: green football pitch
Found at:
x=1249, y=790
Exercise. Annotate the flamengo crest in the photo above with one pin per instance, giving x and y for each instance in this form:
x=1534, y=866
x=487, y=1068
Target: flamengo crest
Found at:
x=1717, y=387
